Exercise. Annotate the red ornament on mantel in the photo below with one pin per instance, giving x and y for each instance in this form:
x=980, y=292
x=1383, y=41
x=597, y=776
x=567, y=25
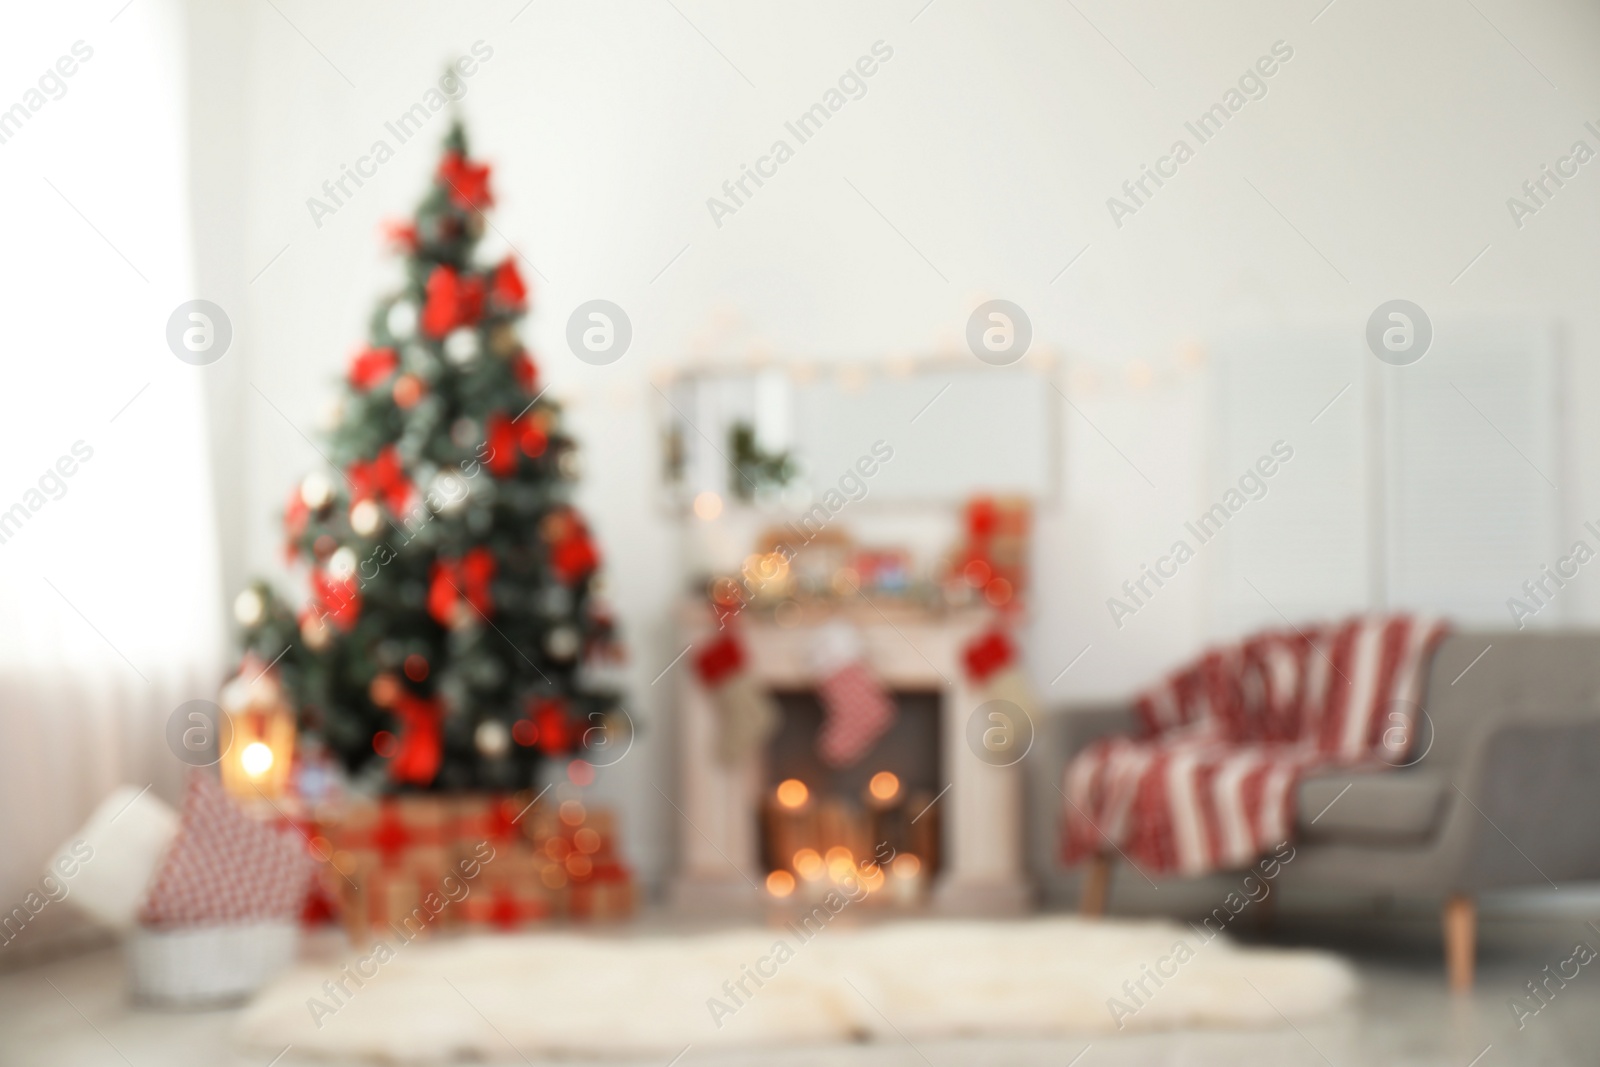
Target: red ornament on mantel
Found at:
x=988, y=653
x=719, y=660
x=746, y=714
x=994, y=667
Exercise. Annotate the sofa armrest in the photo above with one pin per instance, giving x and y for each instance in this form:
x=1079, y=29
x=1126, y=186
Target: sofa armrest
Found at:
x=1062, y=734
x=1077, y=727
x=1533, y=797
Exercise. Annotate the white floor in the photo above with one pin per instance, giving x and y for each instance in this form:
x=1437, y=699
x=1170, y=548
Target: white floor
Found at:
x=74, y=1012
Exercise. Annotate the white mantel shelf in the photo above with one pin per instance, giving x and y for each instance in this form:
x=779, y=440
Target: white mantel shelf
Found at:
x=982, y=850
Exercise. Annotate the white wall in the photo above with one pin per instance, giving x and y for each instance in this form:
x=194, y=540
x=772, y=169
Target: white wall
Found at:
x=991, y=141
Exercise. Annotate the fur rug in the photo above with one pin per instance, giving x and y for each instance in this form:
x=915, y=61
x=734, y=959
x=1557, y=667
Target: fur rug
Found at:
x=587, y=996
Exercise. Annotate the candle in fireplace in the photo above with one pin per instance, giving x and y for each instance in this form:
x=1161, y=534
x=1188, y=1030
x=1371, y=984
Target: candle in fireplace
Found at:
x=907, y=871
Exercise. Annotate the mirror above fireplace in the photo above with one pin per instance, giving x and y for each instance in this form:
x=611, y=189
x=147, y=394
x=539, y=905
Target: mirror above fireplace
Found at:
x=786, y=431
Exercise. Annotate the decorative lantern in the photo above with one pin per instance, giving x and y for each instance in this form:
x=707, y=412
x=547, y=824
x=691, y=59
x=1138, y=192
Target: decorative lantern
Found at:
x=259, y=757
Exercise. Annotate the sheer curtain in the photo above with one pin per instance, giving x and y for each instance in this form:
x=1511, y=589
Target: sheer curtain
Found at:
x=110, y=606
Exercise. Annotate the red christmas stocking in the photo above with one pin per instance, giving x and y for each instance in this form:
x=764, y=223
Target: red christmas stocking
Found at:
x=746, y=715
x=856, y=710
x=994, y=668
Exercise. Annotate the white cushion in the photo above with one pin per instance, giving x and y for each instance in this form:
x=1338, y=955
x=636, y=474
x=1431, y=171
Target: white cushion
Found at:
x=114, y=855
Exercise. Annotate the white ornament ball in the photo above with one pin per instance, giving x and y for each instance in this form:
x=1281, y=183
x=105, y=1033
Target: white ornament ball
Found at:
x=365, y=518
x=464, y=433
x=492, y=738
x=342, y=564
x=316, y=490
x=461, y=346
x=333, y=414
x=562, y=643
x=448, y=492
x=249, y=607
x=402, y=319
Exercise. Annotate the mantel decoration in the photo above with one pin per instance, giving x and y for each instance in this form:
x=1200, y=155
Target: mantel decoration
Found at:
x=455, y=632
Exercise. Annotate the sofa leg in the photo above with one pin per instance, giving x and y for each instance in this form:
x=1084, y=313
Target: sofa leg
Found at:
x=1460, y=940
x=1096, y=888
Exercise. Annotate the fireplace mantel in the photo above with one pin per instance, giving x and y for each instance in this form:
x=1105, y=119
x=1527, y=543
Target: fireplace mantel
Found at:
x=718, y=858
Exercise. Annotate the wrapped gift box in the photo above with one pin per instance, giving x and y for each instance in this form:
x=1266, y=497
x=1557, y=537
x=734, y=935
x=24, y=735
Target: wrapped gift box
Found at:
x=479, y=862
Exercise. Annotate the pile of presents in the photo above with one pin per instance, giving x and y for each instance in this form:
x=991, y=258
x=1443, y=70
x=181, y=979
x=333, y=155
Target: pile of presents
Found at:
x=476, y=862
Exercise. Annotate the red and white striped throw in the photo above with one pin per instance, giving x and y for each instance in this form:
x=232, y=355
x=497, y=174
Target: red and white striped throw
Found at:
x=226, y=867
x=1212, y=782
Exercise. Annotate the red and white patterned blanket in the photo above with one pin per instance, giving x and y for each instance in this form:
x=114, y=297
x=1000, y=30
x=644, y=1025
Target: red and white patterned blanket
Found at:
x=226, y=867
x=1211, y=784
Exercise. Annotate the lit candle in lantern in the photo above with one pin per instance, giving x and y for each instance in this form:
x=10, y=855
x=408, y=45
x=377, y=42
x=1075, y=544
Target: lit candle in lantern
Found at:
x=907, y=870
x=257, y=759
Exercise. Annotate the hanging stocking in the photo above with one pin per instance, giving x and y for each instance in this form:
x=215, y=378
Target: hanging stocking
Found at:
x=856, y=710
x=746, y=715
x=995, y=670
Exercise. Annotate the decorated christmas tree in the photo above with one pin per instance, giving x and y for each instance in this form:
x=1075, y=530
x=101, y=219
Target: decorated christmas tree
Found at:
x=454, y=623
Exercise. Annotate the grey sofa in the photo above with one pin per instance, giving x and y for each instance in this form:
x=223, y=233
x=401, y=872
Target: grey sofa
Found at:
x=1503, y=790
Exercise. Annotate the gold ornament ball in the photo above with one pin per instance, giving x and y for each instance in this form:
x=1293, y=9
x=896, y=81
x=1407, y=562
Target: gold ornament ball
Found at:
x=384, y=690
x=408, y=390
x=503, y=340
x=316, y=633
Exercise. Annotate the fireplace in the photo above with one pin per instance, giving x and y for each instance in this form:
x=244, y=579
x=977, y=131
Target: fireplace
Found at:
x=734, y=829
x=880, y=811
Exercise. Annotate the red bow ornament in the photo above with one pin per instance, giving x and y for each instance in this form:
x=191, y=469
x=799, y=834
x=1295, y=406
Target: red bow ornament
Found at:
x=338, y=599
x=384, y=478
x=526, y=372
x=470, y=577
x=554, y=731
x=372, y=366
x=574, y=557
x=500, y=435
x=295, y=517
x=452, y=300
x=506, y=287
x=421, y=748
x=401, y=234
